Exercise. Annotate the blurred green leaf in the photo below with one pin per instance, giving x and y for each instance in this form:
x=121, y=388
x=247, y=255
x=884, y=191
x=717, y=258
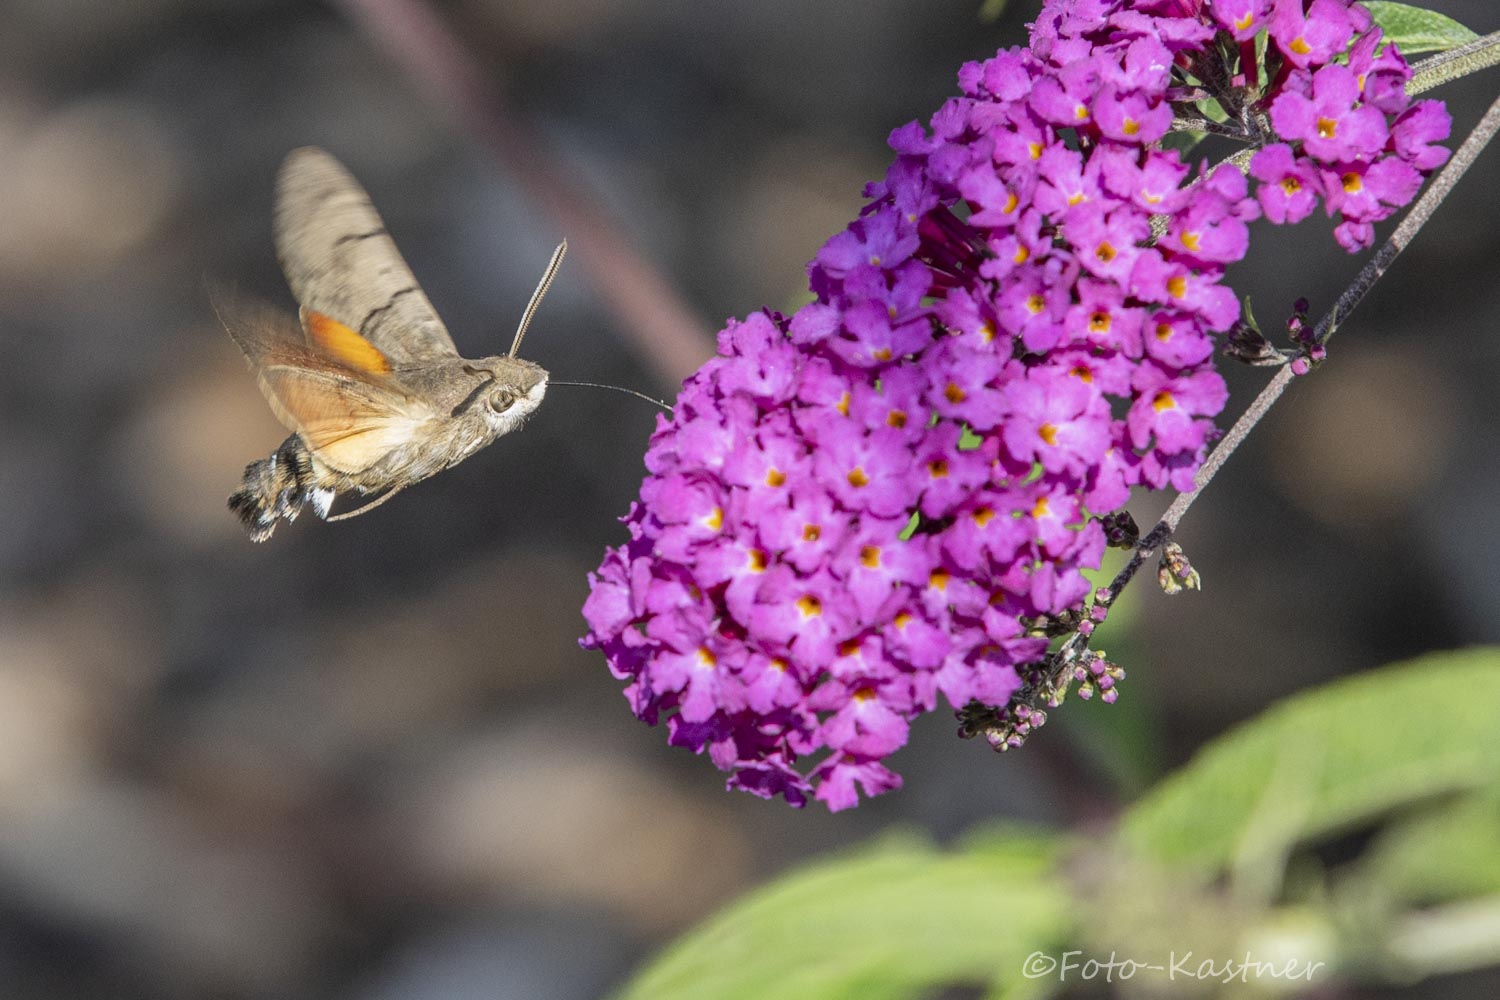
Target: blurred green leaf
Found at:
x=991, y=10
x=1416, y=29
x=883, y=923
x=1123, y=740
x=1440, y=855
x=1328, y=759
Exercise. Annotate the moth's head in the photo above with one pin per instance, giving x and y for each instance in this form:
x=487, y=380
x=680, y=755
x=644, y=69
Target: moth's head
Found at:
x=512, y=390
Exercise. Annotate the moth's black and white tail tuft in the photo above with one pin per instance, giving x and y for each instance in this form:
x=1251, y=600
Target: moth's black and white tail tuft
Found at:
x=278, y=487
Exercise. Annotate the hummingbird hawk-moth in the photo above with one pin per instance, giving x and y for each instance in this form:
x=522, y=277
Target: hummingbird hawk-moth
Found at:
x=369, y=382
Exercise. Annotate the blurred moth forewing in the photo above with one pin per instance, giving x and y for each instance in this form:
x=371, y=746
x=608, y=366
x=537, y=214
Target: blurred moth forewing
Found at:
x=369, y=381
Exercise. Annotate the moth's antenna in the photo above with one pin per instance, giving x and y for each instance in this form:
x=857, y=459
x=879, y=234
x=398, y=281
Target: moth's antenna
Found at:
x=616, y=388
x=536, y=296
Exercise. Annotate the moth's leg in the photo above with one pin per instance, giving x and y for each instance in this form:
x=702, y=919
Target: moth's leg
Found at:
x=366, y=508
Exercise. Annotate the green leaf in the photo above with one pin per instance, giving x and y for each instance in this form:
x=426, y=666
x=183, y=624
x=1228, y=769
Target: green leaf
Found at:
x=1416, y=29
x=883, y=923
x=1327, y=760
x=1183, y=142
x=990, y=11
x=1441, y=855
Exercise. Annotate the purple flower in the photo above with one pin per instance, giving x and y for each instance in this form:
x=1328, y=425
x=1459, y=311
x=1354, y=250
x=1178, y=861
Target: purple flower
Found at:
x=1416, y=133
x=1167, y=406
x=861, y=509
x=1059, y=422
x=1241, y=18
x=1315, y=37
x=1289, y=187
x=1330, y=121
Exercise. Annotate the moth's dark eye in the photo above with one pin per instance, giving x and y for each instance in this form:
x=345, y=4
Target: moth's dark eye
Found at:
x=501, y=400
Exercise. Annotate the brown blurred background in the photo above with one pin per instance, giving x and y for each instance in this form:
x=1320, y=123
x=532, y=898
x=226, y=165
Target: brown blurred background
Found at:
x=367, y=760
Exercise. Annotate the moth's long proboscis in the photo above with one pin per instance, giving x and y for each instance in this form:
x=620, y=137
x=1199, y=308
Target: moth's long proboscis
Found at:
x=536, y=296
x=616, y=388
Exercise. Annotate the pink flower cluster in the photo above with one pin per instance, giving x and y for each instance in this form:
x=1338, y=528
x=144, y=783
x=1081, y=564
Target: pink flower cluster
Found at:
x=1350, y=134
x=868, y=504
